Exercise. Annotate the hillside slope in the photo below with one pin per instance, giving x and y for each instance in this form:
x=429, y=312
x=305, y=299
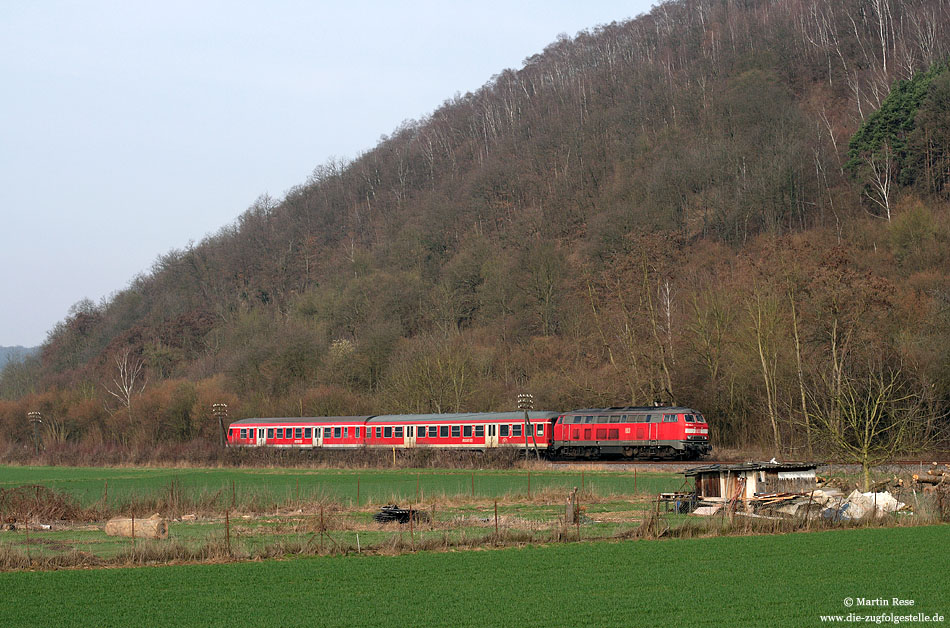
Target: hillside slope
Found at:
x=656, y=209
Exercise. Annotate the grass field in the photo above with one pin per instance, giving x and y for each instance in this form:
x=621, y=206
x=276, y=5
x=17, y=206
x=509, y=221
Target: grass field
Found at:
x=786, y=580
x=125, y=485
x=311, y=511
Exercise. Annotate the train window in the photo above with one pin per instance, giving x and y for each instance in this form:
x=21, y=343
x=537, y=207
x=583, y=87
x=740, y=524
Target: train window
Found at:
x=356, y=432
x=504, y=430
x=529, y=430
x=270, y=432
x=540, y=429
x=308, y=432
x=690, y=418
x=387, y=432
x=409, y=430
x=516, y=430
x=280, y=432
x=397, y=432
x=467, y=431
x=479, y=431
x=243, y=432
x=298, y=432
x=669, y=418
x=433, y=431
x=456, y=431
x=346, y=432
x=379, y=432
x=615, y=418
x=443, y=431
x=588, y=419
x=327, y=432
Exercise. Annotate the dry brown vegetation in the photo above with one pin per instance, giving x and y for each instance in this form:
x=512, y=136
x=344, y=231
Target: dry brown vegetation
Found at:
x=455, y=523
x=665, y=208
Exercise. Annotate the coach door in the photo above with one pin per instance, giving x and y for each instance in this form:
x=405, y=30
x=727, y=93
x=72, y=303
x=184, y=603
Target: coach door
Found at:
x=655, y=428
x=318, y=436
x=410, y=437
x=491, y=437
x=261, y=439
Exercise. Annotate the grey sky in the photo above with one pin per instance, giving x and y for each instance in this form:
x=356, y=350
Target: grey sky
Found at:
x=130, y=128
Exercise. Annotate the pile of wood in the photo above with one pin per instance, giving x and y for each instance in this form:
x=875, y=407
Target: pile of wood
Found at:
x=776, y=498
x=936, y=478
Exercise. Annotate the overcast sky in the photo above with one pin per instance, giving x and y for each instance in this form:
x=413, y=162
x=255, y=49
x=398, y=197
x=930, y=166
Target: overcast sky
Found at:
x=130, y=128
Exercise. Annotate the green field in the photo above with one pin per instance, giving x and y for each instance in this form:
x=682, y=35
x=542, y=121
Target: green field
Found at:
x=278, y=510
x=123, y=485
x=786, y=580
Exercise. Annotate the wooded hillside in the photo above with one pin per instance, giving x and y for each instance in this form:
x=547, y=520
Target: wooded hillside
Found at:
x=739, y=206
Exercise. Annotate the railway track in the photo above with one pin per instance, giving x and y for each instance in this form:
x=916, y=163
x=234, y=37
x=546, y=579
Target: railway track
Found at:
x=660, y=463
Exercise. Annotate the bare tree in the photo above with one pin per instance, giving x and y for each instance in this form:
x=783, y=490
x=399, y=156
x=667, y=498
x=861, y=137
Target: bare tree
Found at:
x=763, y=314
x=873, y=419
x=882, y=166
x=128, y=381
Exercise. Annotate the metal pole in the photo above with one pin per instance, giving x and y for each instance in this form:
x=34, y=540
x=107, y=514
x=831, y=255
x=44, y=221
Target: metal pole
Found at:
x=220, y=412
x=35, y=419
x=526, y=403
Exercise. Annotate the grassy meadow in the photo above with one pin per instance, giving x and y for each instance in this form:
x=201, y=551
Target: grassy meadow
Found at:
x=782, y=580
x=124, y=487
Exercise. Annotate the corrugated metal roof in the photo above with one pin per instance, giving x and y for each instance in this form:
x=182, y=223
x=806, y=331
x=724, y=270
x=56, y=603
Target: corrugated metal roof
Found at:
x=752, y=466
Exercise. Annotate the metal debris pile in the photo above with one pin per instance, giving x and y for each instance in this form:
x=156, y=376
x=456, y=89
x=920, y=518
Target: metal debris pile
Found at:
x=393, y=513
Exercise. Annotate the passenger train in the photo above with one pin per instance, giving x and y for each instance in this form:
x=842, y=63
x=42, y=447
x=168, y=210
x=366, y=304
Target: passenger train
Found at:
x=648, y=432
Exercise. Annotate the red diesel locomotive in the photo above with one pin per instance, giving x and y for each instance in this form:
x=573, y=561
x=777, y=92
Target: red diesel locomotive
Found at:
x=622, y=432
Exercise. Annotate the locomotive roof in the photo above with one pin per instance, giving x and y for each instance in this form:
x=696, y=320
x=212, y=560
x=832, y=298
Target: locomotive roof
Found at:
x=462, y=417
x=303, y=419
x=676, y=409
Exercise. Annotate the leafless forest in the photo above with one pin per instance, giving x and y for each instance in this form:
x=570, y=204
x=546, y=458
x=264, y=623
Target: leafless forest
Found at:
x=736, y=205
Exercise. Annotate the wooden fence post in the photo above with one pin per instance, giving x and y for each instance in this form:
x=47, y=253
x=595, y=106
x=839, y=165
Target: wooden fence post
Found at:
x=496, y=521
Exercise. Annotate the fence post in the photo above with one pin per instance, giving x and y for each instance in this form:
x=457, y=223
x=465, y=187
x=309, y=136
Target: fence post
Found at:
x=496, y=521
x=357, y=491
x=227, y=530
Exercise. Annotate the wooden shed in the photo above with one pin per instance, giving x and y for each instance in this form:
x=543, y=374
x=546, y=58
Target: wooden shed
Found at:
x=751, y=480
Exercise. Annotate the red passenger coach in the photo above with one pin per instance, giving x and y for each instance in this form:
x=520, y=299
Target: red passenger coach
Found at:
x=299, y=433
x=474, y=431
x=632, y=432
